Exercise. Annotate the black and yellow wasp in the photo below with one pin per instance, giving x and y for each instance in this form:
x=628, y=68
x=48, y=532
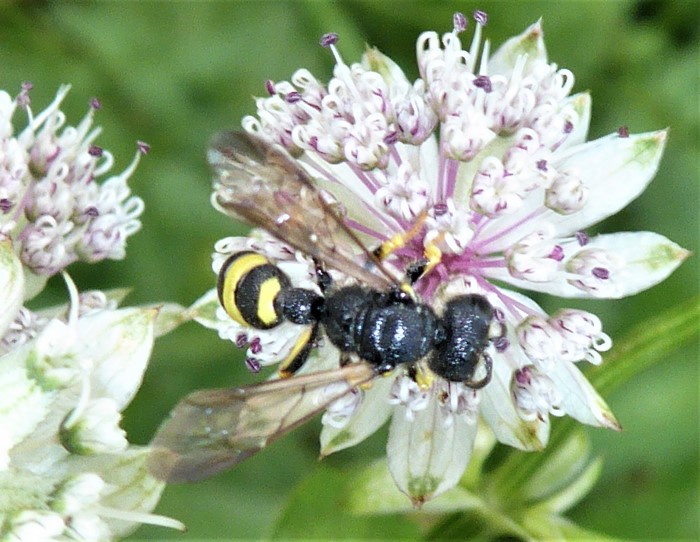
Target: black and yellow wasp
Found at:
x=377, y=323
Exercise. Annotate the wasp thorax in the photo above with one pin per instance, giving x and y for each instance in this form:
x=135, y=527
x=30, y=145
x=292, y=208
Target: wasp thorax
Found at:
x=381, y=328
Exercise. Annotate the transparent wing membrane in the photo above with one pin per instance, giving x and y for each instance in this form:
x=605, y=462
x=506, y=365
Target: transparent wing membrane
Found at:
x=212, y=430
x=261, y=184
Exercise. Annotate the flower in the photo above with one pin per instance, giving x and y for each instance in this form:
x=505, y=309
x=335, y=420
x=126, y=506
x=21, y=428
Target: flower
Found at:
x=66, y=469
x=482, y=166
x=50, y=201
x=67, y=372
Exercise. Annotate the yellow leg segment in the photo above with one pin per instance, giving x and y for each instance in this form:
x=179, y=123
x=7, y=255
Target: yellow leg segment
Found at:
x=400, y=239
x=432, y=252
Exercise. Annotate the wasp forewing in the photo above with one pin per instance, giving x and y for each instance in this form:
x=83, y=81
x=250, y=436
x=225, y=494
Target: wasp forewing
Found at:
x=213, y=430
x=260, y=183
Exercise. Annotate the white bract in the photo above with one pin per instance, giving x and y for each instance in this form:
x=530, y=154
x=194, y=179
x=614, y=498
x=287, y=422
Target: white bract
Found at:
x=491, y=148
x=67, y=372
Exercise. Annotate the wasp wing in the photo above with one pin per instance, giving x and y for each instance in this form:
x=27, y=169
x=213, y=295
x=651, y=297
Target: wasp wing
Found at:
x=213, y=430
x=261, y=183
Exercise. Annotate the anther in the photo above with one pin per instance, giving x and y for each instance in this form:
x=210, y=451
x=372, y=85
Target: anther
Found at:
x=481, y=17
x=253, y=365
x=459, y=22
x=483, y=82
x=329, y=39
x=144, y=148
x=255, y=346
x=557, y=253
x=582, y=238
x=94, y=150
x=600, y=273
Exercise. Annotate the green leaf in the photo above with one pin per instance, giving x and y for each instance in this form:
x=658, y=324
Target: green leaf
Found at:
x=569, y=460
x=648, y=343
x=315, y=510
x=551, y=527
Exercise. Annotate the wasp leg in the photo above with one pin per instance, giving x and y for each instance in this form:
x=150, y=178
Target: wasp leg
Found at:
x=345, y=359
x=323, y=278
x=416, y=270
x=432, y=257
x=299, y=353
x=478, y=384
x=400, y=239
x=421, y=374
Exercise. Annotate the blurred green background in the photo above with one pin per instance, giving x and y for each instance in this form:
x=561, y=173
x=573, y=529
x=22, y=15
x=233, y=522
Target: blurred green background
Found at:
x=172, y=74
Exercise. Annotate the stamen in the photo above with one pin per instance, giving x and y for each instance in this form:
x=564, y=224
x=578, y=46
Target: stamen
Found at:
x=143, y=147
x=94, y=150
x=481, y=17
x=483, y=82
x=256, y=345
x=23, y=99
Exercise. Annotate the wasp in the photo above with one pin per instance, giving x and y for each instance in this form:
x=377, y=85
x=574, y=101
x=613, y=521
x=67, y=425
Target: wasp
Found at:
x=377, y=323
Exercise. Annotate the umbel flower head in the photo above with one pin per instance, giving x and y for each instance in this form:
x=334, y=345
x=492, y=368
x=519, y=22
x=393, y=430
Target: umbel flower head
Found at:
x=67, y=471
x=484, y=160
x=50, y=201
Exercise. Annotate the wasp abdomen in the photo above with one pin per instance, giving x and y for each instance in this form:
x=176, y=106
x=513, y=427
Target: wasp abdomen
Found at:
x=248, y=286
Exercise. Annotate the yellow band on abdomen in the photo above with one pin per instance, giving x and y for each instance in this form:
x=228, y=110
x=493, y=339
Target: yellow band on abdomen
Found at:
x=238, y=269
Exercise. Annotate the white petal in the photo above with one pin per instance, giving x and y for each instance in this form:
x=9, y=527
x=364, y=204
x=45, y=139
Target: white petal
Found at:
x=428, y=158
x=615, y=170
x=129, y=487
x=530, y=43
x=119, y=344
x=497, y=407
x=373, y=412
x=579, y=399
x=11, y=285
x=23, y=403
x=646, y=258
x=203, y=311
x=390, y=71
x=426, y=455
x=170, y=316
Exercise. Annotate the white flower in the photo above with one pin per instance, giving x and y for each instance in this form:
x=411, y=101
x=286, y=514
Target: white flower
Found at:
x=67, y=372
x=490, y=151
x=50, y=201
x=62, y=387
